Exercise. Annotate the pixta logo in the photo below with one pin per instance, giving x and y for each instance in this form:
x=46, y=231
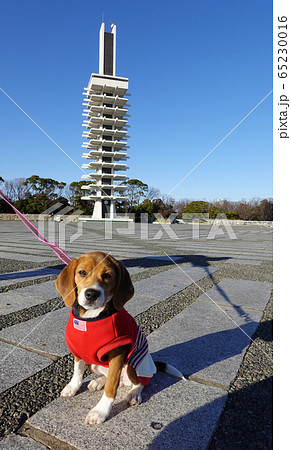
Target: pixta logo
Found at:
x=56, y=226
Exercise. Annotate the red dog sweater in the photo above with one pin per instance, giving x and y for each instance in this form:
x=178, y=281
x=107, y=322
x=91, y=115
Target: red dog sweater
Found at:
x=92, y=339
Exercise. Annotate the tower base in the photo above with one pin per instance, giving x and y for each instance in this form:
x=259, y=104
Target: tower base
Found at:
x=116, y=219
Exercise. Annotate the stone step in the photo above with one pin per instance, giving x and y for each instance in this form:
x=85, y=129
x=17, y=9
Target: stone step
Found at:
x=174, y=414
x=15, y=441
x=167, y=283
x=12, y=302
x=18, y=364
x=238, y=293
x=203, y=342
x=7, y=279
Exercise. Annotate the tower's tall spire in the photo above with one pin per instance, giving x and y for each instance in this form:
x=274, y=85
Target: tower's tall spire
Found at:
x=107, y=51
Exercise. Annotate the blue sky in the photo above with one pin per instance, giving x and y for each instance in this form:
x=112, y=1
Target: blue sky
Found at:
x=195, y=70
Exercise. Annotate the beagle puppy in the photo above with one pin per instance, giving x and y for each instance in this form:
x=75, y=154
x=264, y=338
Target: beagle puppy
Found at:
x=101, y=333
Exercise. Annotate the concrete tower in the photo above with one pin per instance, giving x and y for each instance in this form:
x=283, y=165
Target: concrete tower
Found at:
x=106, y=121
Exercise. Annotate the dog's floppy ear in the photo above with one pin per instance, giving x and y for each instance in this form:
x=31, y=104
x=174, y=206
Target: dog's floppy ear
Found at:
x=124, y=288
x=65, y=283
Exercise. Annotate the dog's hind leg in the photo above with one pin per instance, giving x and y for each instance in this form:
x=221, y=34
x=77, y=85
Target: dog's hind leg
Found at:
x=134, y=396
x=98, y=383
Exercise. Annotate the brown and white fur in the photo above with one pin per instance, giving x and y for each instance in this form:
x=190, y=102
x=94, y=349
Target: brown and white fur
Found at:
x=96, y=281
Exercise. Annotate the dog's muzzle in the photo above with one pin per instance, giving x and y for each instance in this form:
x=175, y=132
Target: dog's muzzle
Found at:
x=92, y=295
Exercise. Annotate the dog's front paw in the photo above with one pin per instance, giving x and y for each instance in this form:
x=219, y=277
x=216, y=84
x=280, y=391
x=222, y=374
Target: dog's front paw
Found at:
x=100, y=412
x=97, y=384
x=95, y=416
x=70, y=390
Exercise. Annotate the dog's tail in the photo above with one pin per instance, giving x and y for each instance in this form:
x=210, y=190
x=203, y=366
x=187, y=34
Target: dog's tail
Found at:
x=170, y=370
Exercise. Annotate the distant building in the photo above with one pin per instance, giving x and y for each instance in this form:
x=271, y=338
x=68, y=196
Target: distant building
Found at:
x=106, y=123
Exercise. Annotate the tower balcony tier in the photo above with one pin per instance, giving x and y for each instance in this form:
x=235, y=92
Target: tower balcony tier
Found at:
x=97, y=121
x=99, y=176
x=105, y=165
x=96, y=100
x=97, y=143
x=102, y=84
x=104, y=197
x=116, y=112
x=117, y=134
x=117, y=156
x=97, y=187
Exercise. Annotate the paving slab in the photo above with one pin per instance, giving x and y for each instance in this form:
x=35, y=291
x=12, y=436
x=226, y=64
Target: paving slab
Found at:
x=174, y=414
x=118, y=255
x=169, y=282
x=244, y=261
x=165, y=258
x=159, y=288
x=42, y=250
x=256, y=257
x=137, y=305
x=11, y=302
x=250, y=294
x=204, y=341
x=45, y=291
x=16, y=364
x=26, y=257
x=15, y=441
x=107, y=247
x=215, y=254
x=26, y=275
x=134, y=270
x=187, y=273
x=44, y=333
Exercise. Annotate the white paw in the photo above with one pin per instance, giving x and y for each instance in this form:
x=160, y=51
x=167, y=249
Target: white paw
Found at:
x=70, y=390
x=95, y=416
x=97, y=384
x=100, y=412
x=134, y=397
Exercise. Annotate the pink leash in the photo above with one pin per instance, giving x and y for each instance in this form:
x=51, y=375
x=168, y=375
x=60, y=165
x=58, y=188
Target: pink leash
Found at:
x=60, y=253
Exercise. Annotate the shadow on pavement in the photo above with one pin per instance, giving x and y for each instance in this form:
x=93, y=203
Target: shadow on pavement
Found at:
x=197, y=354
x=247, y=424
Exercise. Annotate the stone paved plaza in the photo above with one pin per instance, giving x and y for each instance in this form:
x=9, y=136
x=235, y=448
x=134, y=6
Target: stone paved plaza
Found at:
x=203, y=297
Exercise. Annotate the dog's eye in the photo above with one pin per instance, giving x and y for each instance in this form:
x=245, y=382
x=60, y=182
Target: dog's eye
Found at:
x=106, y=276
x=83, y=273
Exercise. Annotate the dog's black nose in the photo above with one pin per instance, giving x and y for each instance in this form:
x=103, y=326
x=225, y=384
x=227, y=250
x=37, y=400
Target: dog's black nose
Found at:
x=92, y=294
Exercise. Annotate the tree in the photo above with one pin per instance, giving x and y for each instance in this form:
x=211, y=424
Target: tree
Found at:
x=135, y=191
x=75, y=196
x=41, y=194
x=14, y=189
x=231, y=215
x=254, y=209
x=266, y=209
x=199, y=207
x=4, y=207
x=180, y=205
x=243, y=210
x=153, y=193
x=52, y=189
x=146, y=207
x=160, y=207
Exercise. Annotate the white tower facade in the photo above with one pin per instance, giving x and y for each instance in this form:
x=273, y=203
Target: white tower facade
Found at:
x=106, y=115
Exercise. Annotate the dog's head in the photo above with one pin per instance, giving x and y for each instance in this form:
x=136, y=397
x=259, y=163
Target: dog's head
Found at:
x=95, y=279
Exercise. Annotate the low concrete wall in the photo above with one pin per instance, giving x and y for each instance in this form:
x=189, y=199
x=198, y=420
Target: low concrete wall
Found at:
x=72, y=218
x=37, y=217
x=263, y=223
x=32, y=217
